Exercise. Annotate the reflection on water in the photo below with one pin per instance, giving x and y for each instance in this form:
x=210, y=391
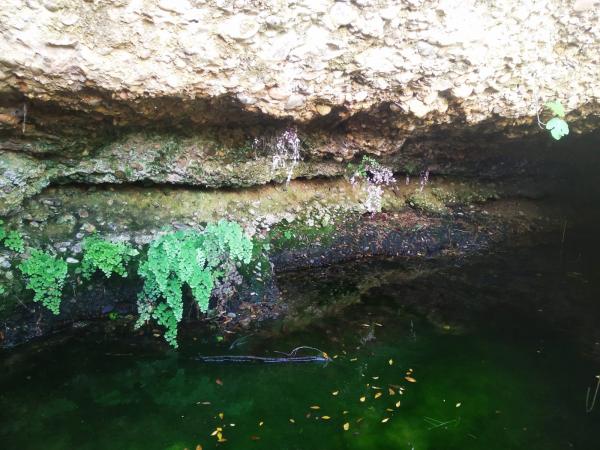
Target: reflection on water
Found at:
x=425, y=357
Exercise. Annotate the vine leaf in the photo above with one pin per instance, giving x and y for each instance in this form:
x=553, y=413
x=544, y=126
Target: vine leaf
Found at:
x=557, y=127
x=557, y=108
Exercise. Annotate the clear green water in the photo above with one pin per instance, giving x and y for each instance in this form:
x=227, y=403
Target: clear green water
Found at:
x=488, y=381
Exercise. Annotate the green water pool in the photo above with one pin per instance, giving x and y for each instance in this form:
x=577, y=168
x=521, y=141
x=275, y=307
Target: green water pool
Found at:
x=397, y=380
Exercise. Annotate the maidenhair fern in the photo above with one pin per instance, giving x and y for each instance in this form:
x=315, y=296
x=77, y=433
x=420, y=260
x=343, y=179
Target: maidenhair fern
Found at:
x=109, y=257
x=189, y=257
x=46, y=276
x=14, y=241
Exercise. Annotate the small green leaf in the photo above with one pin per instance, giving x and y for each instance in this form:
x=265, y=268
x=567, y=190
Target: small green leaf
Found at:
x=558, y=128
x=556, y=107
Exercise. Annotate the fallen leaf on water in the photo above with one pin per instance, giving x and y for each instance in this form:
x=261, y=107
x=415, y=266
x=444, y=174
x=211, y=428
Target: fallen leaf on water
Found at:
x=391, y=391
x=198, y=447
x=202, y=403
x=378, y=394
x=325, y=417
x=376, y=388
x=378, y=324
x=335, y=392
x=375, y=378
x=390, y=362
x=219, y=382
x=366, y=325
x=219, y=435
x=344, y=412
x=222, y=440
x=410, y=379
x=389, y=409
x=346, y=426
x=221, y=415
x=458, y=405
x=292, y=421
x=353, y=359
x=398, y=404
x=385, y=420
x=218, y=430
x=362, y=399
x=315, y=407
x=260, y=424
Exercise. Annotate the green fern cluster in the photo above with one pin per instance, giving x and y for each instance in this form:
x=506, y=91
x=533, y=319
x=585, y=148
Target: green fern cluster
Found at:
x=12, y=239
x=187, y=257
x=109, y=257
x=46, y=277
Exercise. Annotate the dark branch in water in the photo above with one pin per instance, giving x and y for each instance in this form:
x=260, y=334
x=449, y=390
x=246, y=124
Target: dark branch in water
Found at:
x=290, y=357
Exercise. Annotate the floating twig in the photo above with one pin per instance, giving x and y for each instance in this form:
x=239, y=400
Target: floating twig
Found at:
x=291, y=357
x=589, y=407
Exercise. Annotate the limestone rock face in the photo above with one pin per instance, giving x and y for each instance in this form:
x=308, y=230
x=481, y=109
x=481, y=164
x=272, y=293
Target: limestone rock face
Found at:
x=428, y=57
x=415, y=80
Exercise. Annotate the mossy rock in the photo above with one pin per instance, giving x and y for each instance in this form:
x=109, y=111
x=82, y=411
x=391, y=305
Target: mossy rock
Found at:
x=426, y=202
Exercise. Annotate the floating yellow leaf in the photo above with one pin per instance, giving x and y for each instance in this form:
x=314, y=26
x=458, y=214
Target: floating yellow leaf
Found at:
x=198, y=447
x=344, y=412
x=335, y=392
x=222, y=440
x=362, y=399
x=389, y=409
x=219, y=435
x=391, y=391
x=375, y=378
x=458, y=405
x=315, y=407
x=398, y=404
x=378, y=394
x=325, y=417
x=391, y=362
x=366, y=325
x=385, y=420
x=221, y=415
x=260, y=424
x=292, y=421
x=410, y=379
x=353, y=359
x=346, y=426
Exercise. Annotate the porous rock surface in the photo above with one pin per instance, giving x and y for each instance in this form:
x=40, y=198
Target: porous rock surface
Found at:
x=427, y=82
x=432, y=60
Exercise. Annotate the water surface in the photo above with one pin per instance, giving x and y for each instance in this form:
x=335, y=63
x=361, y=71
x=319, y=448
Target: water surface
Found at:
x=406, y=374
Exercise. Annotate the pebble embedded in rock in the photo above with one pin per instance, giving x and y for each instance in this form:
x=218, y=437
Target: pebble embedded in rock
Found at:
x=294, y=101
x=342, y=14
x=240, y=27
